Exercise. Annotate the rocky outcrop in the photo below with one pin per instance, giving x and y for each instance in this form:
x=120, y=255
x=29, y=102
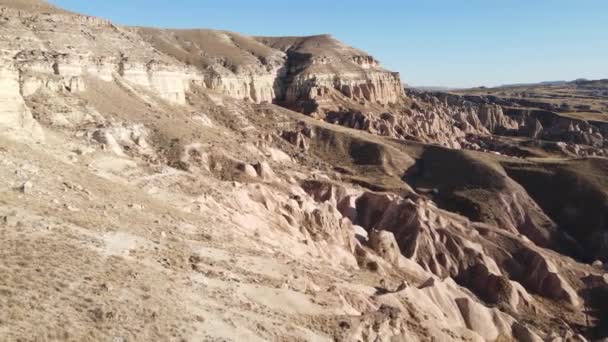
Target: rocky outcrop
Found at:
x=440, y=118
x=319, y=67
x=430, y=126
x=230, y=63
x=453, y=248
x=543, y=277
x=385, y=245
x=479, y=116
x=471, y=117
x=63, y=63
x=533, y=128
x=169, y=62
x=449, y=245
x=15, y=116
x=264, y=170
x=370, y=87
x=119, y=138
x=300, y=137
x=493, y=118
x=554, y=127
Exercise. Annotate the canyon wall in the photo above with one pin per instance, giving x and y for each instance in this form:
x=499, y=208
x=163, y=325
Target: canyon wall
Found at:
x=57, y=50
x=321, y=66
x=45, y=53
x=230, y=63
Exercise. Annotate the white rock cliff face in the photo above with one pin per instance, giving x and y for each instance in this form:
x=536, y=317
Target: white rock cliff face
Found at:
x=255, y=88
x=375, y=87
x=45, y=54
x=232, y=64
x=14, y=114
x=321, y=66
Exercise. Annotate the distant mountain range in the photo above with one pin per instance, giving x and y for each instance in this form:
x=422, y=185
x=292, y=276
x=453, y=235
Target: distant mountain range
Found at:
x=537, y=84
x=430, y=88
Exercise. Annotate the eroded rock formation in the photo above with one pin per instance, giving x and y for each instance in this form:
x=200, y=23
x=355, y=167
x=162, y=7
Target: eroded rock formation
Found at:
x=154, y=190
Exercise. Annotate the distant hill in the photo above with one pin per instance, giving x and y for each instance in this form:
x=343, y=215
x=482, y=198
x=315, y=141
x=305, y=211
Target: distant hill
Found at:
x=431, y=88
x=545, y=83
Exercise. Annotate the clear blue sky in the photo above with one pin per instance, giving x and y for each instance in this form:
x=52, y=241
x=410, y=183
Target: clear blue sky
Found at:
x=458, y=43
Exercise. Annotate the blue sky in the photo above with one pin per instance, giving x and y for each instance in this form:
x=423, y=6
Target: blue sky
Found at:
x=457, y=43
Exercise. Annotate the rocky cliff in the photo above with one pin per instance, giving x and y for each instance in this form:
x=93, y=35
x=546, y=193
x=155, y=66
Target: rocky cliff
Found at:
x=229, y=63
x=57, y=49
x=318, y=66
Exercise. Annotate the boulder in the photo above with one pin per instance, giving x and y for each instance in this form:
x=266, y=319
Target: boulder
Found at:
x=384, y=244
x=248, y=170
x=26, y=187
x=264, y=170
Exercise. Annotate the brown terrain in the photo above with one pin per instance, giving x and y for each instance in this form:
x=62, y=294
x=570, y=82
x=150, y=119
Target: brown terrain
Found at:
x=201, y=185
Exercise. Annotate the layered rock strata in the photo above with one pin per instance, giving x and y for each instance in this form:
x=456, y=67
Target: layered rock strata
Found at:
x=320, y=66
